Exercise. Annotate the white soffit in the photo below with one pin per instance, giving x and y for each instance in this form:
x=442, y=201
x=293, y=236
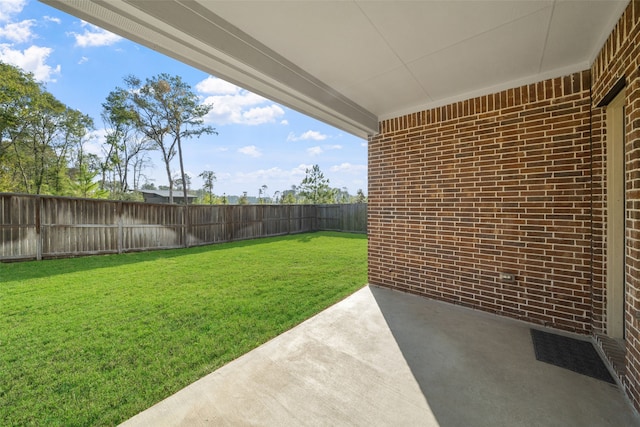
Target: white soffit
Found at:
x=351, y=63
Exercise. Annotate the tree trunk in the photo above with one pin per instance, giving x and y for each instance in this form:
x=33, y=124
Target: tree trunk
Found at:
x=187, y=222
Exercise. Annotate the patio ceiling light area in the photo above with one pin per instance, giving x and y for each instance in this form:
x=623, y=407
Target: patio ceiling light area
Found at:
x=353, y=63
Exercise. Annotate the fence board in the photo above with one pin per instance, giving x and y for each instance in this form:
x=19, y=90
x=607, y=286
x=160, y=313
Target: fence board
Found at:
x=36, y=227
x=18, y=227
x=151, y=226
x=71, y=226
x=343, y=217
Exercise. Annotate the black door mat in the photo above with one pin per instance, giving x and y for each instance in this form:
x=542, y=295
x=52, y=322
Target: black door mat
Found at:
x=570, y=353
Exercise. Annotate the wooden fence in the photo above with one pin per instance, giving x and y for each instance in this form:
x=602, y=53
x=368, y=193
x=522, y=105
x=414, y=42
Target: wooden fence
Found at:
x=342, y=217
x=40, y=227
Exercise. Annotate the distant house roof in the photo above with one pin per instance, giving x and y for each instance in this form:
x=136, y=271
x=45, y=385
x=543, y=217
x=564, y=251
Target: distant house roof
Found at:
x=162, y=196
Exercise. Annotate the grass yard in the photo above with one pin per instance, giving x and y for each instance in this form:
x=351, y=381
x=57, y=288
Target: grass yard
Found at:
x=95, y=340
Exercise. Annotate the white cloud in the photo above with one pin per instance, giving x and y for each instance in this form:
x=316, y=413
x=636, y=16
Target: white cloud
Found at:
x=364, y=144
x=234, y=105
x=261, y=115
x=250, y=150
x=214, y=86
x=95, y=141
x=94, y=36
x=261, y=175
x=52, y=19
x=223, y=176
x=301, y=169
x=349, y=168
x=18, y=32
x=31, y=60
x=314, y=135
x=284, y=122
x=272, y=174
x=234, y=109
x=310, y=134
x=83, y=60
x=314, y=151
x=9, y=8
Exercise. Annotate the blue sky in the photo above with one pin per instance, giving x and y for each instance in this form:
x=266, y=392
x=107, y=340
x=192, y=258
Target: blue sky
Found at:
x=259, y=143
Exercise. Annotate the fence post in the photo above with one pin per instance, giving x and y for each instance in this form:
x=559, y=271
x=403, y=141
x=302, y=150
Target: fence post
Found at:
x=38, y=233
x=186, y=223
x=120, y=231
x=228, y=217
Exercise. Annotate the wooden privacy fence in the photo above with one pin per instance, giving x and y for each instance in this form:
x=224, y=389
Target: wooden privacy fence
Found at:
x=342, y=217
x=40, y=227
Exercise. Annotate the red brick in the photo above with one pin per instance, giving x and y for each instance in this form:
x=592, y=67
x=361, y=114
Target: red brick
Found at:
x=513, y=182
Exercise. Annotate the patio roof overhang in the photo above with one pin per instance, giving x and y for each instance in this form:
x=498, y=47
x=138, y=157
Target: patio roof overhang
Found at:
x=352, y=63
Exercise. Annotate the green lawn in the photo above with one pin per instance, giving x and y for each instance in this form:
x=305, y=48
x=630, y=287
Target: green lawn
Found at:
x=95, y=340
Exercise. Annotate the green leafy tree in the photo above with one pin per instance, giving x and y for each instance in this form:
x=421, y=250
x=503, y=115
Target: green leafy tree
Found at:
x=360, y=197
x=39, y=136
x=74, y=132
x=43, y=153
x=32, y=155
x=289, y=197
x=86, y=184
x=244, y=200
x=168, y=112
x=209, y=177
x=341, y=195
x=179, y=182
x=18, y=91
x=315, y=187
x=126, y=147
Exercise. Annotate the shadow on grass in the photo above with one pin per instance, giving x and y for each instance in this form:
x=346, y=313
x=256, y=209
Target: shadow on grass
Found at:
x=21, y=271
x=308, y=237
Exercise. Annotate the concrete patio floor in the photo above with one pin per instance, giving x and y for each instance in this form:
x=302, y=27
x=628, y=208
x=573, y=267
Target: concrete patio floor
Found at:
x=382, y=358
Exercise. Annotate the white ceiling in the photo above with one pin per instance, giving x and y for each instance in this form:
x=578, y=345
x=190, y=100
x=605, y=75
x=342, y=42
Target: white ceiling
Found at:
x=352, y=63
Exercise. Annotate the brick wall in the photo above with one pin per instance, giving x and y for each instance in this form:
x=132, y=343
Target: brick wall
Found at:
x=495, y=184
x=620, y=57
x=514, y=182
